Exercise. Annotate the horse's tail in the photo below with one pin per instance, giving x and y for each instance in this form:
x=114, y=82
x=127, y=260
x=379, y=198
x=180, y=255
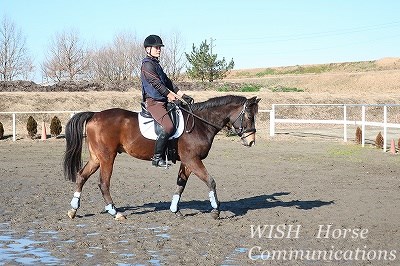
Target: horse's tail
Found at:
x=74, y=134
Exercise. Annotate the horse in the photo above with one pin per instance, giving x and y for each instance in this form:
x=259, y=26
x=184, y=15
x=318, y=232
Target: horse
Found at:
x=116, y=130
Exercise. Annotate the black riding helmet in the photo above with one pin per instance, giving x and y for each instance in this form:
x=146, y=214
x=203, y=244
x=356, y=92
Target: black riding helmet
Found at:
x=153, y=41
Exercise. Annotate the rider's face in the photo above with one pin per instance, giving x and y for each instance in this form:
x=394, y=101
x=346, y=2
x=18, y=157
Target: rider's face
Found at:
x=154, y=51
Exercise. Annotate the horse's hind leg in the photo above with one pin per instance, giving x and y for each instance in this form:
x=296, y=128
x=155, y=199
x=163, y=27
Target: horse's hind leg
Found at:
x=181, y=181
x=106, y=168
x=91, y=167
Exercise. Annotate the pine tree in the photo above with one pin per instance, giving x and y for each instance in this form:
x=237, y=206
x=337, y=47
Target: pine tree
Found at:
x=55, y=126
x=31, y=126
x=204, y=64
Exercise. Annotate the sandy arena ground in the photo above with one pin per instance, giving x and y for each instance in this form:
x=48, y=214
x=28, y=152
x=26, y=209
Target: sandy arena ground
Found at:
x=300, y=185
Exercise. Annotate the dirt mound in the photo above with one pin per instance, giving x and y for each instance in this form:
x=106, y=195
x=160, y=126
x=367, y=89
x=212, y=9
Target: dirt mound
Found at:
x=121, y=86
x=18, y=85
x=388, y=62
x=71, y=86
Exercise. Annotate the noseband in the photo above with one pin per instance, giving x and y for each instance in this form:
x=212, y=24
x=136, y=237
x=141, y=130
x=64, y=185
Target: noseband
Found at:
x=240, y=131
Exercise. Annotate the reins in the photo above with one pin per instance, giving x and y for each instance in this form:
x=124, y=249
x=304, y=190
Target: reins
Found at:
x=190, y=113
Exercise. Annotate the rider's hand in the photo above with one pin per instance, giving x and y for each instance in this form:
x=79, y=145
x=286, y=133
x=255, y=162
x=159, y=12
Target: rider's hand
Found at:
x=171, y=97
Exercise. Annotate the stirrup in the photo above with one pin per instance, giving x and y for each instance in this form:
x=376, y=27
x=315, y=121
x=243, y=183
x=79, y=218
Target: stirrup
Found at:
x=160, y=162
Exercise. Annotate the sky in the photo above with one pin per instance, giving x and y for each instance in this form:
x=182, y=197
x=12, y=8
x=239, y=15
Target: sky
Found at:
x=254, y=33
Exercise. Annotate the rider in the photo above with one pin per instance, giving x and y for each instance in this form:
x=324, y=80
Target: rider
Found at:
x=157, y=90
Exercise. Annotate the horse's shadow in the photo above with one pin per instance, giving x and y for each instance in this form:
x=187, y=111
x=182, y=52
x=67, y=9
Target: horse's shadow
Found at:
x=238, y=207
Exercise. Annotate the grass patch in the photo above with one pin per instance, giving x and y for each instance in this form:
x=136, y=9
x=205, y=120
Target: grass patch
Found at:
x=224, y=88
x=313, y=69
x=242, y=88
x=345, y=151
x=286, y=89
x=250, y=88
x=316, y=69
x=266, y=72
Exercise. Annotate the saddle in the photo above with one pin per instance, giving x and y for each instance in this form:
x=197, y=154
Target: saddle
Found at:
x=150, y=128
x=174, y=113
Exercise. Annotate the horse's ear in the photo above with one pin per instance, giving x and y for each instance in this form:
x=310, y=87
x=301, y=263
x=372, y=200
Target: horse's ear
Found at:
x=253, y=100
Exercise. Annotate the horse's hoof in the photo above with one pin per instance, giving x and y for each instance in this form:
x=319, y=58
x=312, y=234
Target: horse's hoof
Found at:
x=178, y=214
x=120, y=217
x=215, y=214
x=72, y=213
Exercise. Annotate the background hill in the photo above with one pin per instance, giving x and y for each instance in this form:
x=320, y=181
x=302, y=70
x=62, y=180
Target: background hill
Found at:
x=340, y=83
x=378, y=76
x=351, y=82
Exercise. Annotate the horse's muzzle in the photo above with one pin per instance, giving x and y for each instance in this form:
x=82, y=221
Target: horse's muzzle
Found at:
x=249, y=144
x=249, y=139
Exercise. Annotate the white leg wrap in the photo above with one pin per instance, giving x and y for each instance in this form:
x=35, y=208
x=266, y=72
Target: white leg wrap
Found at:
x=75, y=202
x=174, y=203
x=213, y=200
x=111, y=209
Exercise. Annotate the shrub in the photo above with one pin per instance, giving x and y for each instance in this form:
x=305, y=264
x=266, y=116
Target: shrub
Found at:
x=55, y=126
x=358, y=135
x=379, y=141
x=1, y=131
x=31, y=126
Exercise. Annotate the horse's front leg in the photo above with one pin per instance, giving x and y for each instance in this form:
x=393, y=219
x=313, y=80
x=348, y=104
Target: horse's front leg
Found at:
x=181, y=181
x=200, y=170
x=212, y=195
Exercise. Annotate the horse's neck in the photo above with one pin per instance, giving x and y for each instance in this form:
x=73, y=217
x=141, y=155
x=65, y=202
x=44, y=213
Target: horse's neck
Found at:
x=218, y=116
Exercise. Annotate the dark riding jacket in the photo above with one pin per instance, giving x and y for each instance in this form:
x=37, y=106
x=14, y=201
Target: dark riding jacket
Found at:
x=155, y=83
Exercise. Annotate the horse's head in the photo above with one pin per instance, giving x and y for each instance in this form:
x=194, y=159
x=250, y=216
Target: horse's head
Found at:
x=243, y=122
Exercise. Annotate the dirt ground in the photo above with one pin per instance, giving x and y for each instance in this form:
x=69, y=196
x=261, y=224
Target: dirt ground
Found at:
x=294, y=199
x=321, y=195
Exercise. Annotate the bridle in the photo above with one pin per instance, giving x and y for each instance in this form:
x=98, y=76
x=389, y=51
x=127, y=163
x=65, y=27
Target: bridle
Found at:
x=241, y=130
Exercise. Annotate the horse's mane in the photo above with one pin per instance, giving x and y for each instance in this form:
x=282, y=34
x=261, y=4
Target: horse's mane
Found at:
x=218, y=101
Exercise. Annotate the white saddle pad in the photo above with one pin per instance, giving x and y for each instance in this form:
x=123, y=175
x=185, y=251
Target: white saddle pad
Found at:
x=146, y=126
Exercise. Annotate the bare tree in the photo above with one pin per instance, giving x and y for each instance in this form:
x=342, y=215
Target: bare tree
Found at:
x=14, y=59
x=102, y=65
x=173, y=57
x=127, y=55
x=119, y=60
x=67, y=59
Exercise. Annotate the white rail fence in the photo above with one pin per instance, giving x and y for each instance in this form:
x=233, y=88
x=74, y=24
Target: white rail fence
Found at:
x=343, y=114
x=342, y=111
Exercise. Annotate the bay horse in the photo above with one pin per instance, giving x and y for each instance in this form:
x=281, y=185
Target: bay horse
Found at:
x=114, y=131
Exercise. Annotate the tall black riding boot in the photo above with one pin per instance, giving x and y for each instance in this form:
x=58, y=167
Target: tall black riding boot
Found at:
x=159, y=150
